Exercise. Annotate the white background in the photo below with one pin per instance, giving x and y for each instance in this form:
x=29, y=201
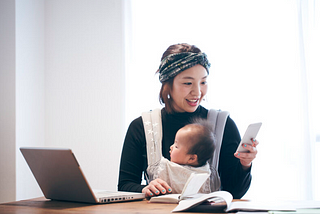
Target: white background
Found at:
x=74, y=73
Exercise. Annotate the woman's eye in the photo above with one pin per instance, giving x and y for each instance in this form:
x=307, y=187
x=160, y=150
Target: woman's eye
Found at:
x=204, y=82
x=187, y=83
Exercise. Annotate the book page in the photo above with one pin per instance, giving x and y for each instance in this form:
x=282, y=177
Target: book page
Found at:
x=194, y=183
x=168, y=198
x=189, y=203
x=261, y=206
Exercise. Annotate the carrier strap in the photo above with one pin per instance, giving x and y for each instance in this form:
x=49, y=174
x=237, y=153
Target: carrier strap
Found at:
x=153, y=130
x=218, y=118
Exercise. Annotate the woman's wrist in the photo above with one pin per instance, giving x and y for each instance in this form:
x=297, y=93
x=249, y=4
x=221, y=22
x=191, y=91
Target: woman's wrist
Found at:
x=246, y=167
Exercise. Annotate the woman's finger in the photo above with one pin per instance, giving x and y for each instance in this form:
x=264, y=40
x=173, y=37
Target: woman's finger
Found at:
x=167, y=188
x=250, y=148
x=148, y=192
x=255, y=142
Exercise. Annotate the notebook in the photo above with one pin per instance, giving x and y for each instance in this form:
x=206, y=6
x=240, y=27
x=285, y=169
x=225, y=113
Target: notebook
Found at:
x=60, y=177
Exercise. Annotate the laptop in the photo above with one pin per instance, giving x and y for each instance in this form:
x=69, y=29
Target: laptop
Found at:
x=60, y=177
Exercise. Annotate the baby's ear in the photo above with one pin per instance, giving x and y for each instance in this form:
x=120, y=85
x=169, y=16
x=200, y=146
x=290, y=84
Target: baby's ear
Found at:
x=193, y=160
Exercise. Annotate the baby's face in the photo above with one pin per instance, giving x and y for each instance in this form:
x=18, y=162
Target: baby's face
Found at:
x=179, y=150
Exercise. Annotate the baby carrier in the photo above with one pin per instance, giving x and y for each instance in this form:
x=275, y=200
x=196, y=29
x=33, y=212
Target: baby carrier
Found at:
x=176, y=175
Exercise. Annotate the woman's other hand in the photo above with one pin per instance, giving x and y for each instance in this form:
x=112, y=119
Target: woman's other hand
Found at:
x=246, y=158
x=156, y=187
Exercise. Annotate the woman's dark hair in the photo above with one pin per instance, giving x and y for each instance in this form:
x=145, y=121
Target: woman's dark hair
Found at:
x=164, y=95
x=202, y=141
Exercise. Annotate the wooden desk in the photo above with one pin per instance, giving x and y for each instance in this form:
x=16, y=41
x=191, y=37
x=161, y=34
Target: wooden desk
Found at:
x=42, y=205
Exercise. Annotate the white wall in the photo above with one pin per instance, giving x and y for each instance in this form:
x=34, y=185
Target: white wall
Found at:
x=30, y=88
x=64, y=66
x=7, y=100
x=84, y=80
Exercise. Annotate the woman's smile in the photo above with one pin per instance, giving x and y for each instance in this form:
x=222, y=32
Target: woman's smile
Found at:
x=193, y=102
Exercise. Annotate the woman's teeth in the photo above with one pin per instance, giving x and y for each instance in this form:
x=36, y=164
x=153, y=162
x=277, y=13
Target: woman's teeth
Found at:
x=193, y=101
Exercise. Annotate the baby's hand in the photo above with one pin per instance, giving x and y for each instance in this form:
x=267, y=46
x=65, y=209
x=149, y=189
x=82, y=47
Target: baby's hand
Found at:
x=156, y=187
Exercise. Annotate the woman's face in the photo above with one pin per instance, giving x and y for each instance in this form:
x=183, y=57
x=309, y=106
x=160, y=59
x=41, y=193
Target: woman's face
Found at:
x=189, y=88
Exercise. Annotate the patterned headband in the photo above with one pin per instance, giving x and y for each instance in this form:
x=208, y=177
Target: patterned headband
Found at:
x=175, y=63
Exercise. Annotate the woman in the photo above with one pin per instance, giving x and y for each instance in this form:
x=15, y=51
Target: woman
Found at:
x=183, y=73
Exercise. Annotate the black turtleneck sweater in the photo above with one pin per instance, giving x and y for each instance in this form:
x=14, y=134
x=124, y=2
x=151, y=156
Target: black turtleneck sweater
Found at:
x=134, y=158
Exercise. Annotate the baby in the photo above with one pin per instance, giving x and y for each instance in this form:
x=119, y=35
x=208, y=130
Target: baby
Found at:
x=193, y=144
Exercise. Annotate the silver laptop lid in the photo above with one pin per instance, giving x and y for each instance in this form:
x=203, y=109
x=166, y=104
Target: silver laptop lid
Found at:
x=58, y=174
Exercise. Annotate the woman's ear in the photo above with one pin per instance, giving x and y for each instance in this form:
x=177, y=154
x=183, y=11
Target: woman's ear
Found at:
x=193, y=160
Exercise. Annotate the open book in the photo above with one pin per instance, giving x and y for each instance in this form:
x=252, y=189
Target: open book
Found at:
x=222, y=200
x=190, y=190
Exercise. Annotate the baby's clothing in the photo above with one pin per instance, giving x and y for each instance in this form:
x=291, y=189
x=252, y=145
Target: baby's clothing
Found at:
x=176, y=175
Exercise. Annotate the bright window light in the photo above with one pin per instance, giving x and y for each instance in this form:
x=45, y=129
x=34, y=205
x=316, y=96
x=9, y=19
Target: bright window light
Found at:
x=255, y=51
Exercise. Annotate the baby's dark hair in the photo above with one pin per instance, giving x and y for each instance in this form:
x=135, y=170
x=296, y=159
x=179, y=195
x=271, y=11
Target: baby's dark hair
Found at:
x=202, y=140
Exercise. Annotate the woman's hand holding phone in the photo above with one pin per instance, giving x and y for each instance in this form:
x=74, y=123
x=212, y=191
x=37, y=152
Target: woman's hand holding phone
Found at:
x=247, y=150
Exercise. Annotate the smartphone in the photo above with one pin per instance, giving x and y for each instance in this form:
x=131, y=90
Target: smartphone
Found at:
x=251, y=133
